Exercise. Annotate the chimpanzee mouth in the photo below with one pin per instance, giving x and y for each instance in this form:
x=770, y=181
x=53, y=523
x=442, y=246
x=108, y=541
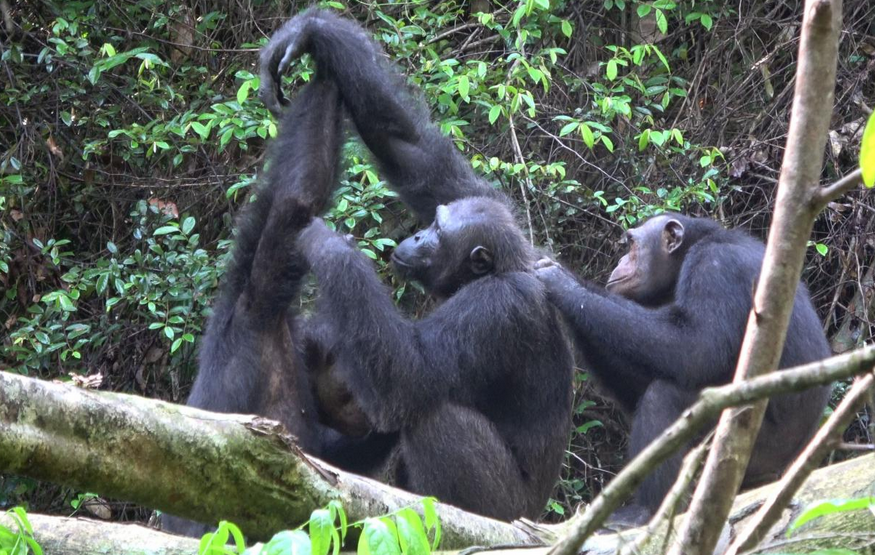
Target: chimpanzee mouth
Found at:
x=400, y=263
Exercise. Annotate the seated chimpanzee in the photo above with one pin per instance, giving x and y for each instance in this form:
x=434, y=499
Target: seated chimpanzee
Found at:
x=474, y=399
x=257, y=356
x=479, y=389
x=671, y=323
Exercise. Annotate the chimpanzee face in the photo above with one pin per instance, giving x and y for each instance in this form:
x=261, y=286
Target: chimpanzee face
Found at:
x=648, y=273
x=448, y=253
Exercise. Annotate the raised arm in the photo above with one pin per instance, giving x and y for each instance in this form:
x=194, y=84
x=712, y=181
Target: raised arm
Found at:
x=422, y=165
x=246, y=335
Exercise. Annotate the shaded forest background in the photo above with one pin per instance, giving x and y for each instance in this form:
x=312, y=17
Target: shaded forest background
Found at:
x=130, y=134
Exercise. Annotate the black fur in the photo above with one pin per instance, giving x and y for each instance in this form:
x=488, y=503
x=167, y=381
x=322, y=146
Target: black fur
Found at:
x=251, y=359
x=480, y=389
x=656, y=358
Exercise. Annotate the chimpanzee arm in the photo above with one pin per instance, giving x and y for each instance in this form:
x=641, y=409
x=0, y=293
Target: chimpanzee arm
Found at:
x=401, y=368
x=422, y=165
x=693, y=342
x=247, y=340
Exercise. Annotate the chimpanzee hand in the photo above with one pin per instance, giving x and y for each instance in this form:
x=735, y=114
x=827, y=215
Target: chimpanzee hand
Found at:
x=288, y=44
x=318, y=242
x=554, y=277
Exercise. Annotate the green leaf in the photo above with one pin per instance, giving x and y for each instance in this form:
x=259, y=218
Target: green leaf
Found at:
x=611, y=70
x=609, y=144
x=821, y=248
x=566, y=28
x=168, y=331
x=164, y=230
x=176, y=344
x=644, y=140
x=188, y=225
x=102, y=282
x=661, y=22
x=66, y=303
x=321, y=525
x=867, y=153
x=494, y=112
x=432, y=521
x=830, y=507
x=568, y=128
x=644, y=9
x=587, y=135
x=464, y=86
x=411, y=533
x=243, y=92
x=379, y=537
x=337, y=509
x=706, y=21
x=289, y=542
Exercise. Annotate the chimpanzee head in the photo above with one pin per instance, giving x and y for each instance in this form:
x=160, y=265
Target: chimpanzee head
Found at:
x=648, y=273
x=469, y=238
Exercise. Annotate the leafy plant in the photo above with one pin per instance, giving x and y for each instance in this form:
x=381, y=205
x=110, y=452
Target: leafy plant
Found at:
x=19, y=541
x=402, y=532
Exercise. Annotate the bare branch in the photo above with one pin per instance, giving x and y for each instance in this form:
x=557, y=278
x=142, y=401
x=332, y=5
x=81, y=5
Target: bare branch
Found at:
x=802, y=467
x=711, y=402
x=796, y=208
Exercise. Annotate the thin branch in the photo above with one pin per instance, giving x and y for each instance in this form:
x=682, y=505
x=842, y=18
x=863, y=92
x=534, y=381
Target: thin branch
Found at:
x=802, y=467
x=668, y=508
x=711, y=402
x=840, y=187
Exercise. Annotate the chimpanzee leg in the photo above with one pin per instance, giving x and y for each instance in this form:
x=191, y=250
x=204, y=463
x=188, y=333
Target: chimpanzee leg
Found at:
x=661, y=405
x=457, y=453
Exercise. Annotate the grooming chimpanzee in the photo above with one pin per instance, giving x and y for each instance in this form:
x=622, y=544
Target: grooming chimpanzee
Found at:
x=257, y=356
x=480, y=388
x=671, y=323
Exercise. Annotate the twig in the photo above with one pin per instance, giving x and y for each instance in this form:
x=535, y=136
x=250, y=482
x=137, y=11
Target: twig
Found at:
x=840, y=187
x=711, y=402
x=805, y=464
x=668, y=508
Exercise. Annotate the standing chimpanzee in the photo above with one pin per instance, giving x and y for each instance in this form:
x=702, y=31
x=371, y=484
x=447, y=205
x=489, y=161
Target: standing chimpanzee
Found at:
x=671, y=323
x=479, y=389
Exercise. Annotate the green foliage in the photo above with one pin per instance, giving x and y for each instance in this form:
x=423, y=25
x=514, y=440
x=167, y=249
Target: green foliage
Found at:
x=830, y=507
x=867, y=153
x=402, y=532
x=19, y=541
x=216, y=543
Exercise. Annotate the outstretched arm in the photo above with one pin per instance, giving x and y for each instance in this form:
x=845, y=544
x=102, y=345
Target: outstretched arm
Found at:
x=693, y=343
x=422, y=165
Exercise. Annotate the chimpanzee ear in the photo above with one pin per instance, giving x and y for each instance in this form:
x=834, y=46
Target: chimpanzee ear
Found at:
x=481, y=260
x=672, y=235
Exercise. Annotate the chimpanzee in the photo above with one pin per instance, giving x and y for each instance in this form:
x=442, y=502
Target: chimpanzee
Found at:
x=671, y=323
x=480, y=388
x=257, y=355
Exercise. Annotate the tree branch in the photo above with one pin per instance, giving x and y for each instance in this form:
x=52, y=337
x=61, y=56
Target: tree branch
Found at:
x=711, y=402
x=798, y=203
x=802, y=467
x=197, y=464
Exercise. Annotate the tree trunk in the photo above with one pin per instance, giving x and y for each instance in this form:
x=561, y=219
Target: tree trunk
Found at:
x=197, y=464
x=854, y=530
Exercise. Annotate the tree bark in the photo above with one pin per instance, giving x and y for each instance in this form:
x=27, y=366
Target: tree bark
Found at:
x=198, y=464
x=799, y=201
